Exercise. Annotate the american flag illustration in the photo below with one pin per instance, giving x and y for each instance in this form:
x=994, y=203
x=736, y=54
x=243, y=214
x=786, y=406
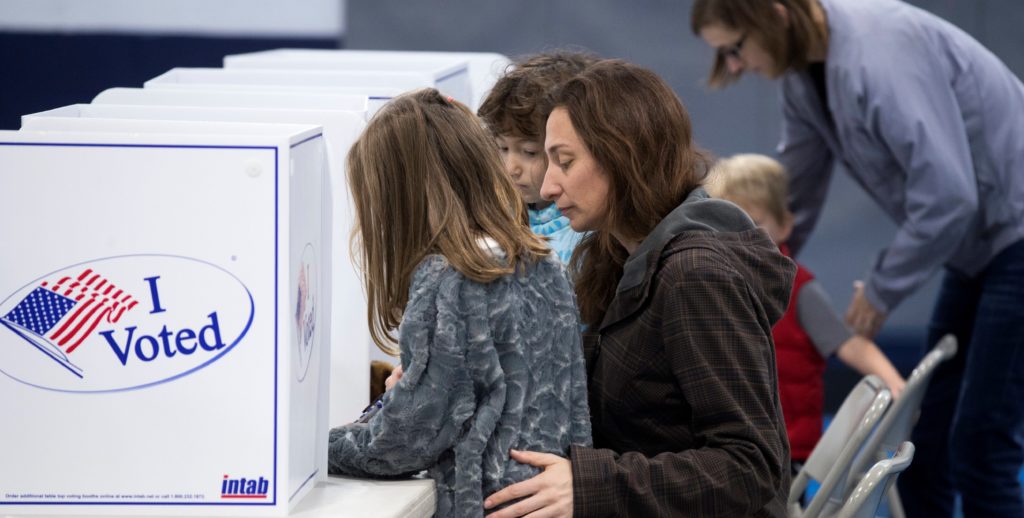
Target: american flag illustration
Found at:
x=66, y=312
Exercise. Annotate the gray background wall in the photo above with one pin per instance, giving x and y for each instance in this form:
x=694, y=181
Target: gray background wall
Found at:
x=743, y=118
x=59, y=52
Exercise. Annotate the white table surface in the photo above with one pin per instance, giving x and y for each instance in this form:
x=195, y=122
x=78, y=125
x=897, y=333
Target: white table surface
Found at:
x=342, y=497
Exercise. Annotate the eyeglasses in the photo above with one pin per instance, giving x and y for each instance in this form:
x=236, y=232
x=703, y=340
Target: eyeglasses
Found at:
x=733, y=51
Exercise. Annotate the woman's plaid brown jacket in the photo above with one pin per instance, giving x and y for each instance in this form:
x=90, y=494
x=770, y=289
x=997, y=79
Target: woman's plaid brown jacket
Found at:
x=682, y=380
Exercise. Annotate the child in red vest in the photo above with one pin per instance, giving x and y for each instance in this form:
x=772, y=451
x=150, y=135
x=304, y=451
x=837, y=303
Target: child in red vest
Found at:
x=810, y=330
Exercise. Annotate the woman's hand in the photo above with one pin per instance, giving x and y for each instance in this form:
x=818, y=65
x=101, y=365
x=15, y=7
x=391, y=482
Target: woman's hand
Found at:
x=396, y=375
x=547, y=494
x=864, y=318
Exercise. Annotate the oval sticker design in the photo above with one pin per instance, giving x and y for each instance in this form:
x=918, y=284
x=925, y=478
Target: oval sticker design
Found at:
x=307, y=283
x=122, y=323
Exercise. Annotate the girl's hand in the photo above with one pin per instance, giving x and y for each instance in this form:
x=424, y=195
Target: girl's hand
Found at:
x=396, y=375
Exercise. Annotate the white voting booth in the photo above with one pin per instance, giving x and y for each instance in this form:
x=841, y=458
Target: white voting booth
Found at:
x=297, y=82
x=163, y=322
x=181, y=323
x=219, y=97
x=349, y=359
x=483, y=68
x=335, y=81
x=376, y=96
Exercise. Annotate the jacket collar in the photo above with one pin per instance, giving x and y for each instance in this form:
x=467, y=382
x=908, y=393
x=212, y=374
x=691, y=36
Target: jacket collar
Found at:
x=698, y=212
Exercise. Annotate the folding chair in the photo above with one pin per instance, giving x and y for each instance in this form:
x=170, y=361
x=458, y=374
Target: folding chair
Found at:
x=829, y=462
x=899, y=420
x=880, y=480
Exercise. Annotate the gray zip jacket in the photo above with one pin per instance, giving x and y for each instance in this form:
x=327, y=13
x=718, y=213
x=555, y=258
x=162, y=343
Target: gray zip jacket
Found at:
x=488, y=368
x=928, y=122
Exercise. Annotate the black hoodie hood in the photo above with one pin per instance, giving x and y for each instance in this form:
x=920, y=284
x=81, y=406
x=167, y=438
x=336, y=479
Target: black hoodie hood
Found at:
x=714, y=223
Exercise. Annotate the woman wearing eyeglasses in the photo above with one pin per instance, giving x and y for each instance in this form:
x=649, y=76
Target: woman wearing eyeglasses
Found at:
x=931, y=125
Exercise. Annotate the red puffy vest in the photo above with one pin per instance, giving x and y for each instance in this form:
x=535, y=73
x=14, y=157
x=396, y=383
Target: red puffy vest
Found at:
x=801, y=388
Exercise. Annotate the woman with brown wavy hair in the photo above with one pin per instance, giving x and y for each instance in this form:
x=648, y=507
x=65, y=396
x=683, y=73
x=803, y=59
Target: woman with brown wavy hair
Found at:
x=679, y=293
x=486, y=324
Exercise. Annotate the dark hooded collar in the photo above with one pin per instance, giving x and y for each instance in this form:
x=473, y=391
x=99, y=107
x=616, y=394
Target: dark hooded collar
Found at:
x=698, y=212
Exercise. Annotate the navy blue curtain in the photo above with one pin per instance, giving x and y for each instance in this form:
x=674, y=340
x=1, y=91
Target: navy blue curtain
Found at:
x=43, y=71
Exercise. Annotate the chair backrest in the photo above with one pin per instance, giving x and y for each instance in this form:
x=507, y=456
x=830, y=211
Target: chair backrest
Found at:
x=867, y=495
x=830, y=460
x=899, y=420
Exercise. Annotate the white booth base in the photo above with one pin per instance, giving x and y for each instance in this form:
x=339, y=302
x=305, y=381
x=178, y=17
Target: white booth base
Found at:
x=343, y=497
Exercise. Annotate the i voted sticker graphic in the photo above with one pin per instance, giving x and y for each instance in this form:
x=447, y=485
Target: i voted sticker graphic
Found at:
x=306, y=296
x=122, y=323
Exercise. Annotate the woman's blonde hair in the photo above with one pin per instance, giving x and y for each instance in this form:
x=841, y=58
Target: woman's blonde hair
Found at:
x=751, y=178
x=426, y=178
x=757, y=19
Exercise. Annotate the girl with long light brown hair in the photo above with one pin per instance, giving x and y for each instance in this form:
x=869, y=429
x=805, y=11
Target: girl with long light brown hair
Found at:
x=483, y=315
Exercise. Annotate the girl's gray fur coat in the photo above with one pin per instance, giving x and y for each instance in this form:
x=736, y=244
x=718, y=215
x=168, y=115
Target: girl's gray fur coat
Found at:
x=488, y=368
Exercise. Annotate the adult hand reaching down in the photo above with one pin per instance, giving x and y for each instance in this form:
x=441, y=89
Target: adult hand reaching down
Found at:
x=862, y=316
x=548, y=494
